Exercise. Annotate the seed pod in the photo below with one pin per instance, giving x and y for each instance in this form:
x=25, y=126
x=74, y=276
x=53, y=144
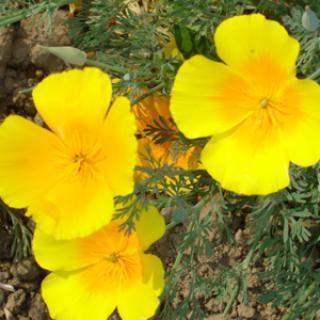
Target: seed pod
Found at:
x=309, y=20
x=69, y=55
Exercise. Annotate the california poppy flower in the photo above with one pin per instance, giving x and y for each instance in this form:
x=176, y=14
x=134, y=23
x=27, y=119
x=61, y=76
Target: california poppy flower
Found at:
x=68, y=175
x=259, y=114
x=92, y=276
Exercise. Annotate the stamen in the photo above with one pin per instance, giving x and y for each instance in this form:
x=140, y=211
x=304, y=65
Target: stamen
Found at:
x=264, y=103
x=113, y=258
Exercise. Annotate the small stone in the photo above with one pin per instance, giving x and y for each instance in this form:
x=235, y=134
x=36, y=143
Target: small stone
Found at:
x=38, y=120
x=39, y=73
x=4, y=275
x=26, y=270
x=252, y=281
x=38, y=309
x=239, y=235
x=16, y=301
x=216, y=317
x=245, y=312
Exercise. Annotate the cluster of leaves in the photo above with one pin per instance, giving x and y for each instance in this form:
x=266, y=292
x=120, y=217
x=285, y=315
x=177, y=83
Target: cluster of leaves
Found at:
x=14, y=228
x=131, y=36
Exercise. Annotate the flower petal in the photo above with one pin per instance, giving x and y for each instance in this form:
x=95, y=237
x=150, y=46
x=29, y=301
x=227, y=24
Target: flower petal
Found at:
x=28, y=165
x=153, y=271
x=73, y=98
x=207, y=98
x=121, y=145
x=141, y=300
x=301, y=131
x=150, y=227
x=59, y=255
x=74, y=208
x=243, y=38
x=249, y=159
x=68, y=297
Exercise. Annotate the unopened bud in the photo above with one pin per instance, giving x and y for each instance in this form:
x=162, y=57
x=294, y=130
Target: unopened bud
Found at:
x=309, y=20
x=69, y=55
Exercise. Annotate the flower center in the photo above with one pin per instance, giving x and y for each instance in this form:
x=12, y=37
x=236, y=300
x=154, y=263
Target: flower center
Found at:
x=82, y=154
x=113, y=258
x=264, y=103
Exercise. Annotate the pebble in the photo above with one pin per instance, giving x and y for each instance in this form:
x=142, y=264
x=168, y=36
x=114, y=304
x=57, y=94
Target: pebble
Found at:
x=38, y=309
x=245, y=312
x=16, y=301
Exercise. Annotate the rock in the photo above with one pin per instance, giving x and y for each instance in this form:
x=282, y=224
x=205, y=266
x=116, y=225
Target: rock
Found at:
x=38, y=35
x=6, y=38
x=245, y=312
x=38, y=120
x=21, y=50
x=252, y=281
x=4, y=276
x=216, y=317
x=239, y=235
x=15, y=302
x=38, y=309
x=26, y=270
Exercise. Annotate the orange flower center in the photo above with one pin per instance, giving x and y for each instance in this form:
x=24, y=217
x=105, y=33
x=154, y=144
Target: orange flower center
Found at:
x=81, y=153
x=117, y=255
x=264, y=92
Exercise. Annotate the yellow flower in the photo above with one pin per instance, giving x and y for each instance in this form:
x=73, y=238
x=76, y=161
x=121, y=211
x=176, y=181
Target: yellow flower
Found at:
x=68, y=176
x=260, y=115
x=108, y=269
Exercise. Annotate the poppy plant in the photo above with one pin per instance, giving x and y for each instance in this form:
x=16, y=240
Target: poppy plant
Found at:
x=108, y=269
x=151, y=112
x=68, y=175
x=259, y=115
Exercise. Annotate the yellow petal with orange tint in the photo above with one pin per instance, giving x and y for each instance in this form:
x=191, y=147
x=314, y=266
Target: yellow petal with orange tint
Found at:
x=73, y=98
x=249, y=159
x=59, y=255
x=67, y=297
x=242, y=38
x=140, y=301
x=153, y=272
x=301, y=131
x=118, y=135
x=28, y=164
x=207, y=98
x=150, y=226
x=75, y=208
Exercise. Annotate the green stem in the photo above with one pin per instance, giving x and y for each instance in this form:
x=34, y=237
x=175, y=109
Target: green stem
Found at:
x=147, y=94
x=105, y=66
x=232, y=299
x=31, y=11
x=314, y=75
x=244, y=266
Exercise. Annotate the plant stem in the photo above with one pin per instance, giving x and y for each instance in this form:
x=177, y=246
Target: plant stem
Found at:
x=147, y=94
x=232, y=299
x=105, y=66
x=314, y=75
